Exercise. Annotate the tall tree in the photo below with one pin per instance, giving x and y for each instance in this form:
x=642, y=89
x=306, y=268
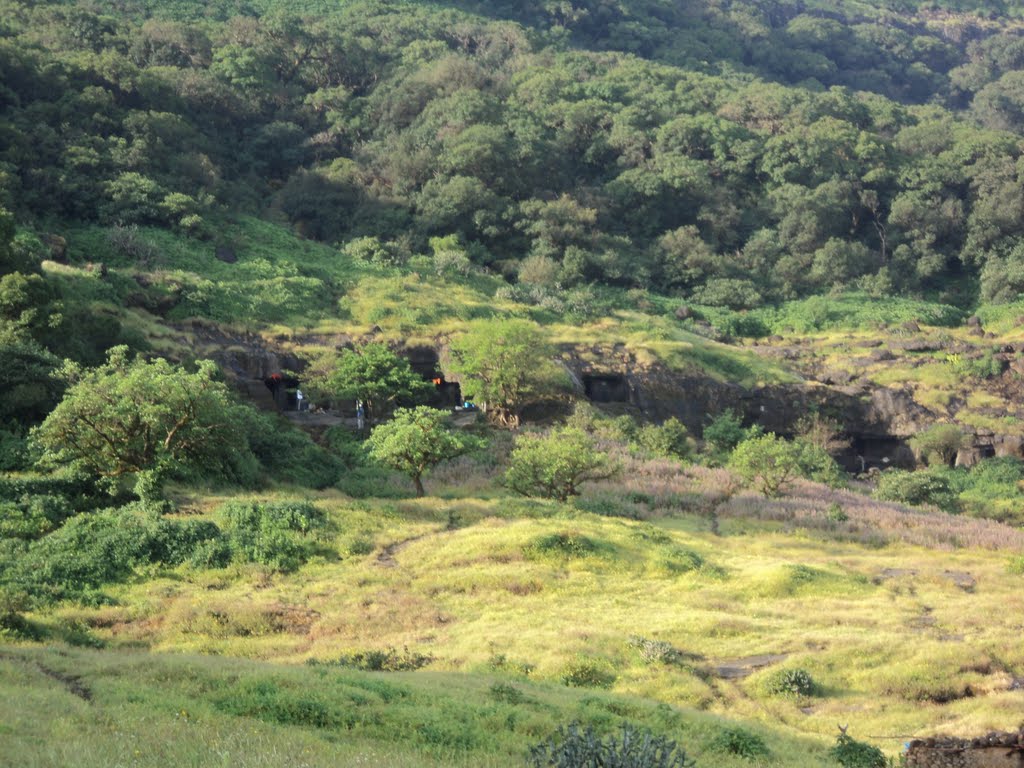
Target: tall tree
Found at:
x=415, y=441
x=505, y=365
x=149, y=419
x=379, y=377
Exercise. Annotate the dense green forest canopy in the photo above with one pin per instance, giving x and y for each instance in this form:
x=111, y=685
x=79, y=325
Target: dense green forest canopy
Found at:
x=733, y=152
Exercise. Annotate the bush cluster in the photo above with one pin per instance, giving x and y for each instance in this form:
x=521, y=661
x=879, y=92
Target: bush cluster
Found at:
x=275, y=534
x=736, y=740
x=917, y=488
x=574, y=747
x=384, y=660
x=655, y=651
x=790, y=682
x=850, y=753
x=588, y=673
x=102, y=547
x=568, y=544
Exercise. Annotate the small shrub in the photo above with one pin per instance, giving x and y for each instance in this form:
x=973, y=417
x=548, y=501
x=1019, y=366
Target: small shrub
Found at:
x=507, y=694
x=361, y=545
x=575, y=748
x=12, y=623
x=790, y=682
x=737, y=325
x=724, y=433
x=917, y=488
x=449, y=262
x=175, y=542
x=738, y=741
x=655, y=651
x=499, y=662
x=385, y=660
x=835, y=513
x=215, y=553
x=850, y=753
x=815, y=463
x=669, y=439
x=588, y=673
x=77, y=634
x=567, y=544
x=370, y=250
x=683, y=560
x=126, y=241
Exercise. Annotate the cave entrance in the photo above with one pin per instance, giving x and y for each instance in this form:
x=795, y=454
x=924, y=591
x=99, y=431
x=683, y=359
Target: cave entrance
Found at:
x=447, y=394
x=606, y=388
x=285, y=391
x=876, y=451
x=426, y=362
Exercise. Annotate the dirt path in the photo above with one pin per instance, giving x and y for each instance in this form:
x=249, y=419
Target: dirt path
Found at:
x=72, y=684
x=737, y=669
x=386, y=557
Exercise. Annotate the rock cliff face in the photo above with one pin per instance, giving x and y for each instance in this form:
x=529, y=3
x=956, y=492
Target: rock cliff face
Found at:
x=246, y=359
x=878, y=421
x=996, y=750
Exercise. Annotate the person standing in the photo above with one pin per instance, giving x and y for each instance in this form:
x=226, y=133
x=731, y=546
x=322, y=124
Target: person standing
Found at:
x=360, y=415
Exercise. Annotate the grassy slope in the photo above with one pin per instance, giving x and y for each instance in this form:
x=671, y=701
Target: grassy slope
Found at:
x=284, y=287
x=783, y=579
x=147, y=710
x=896, y=654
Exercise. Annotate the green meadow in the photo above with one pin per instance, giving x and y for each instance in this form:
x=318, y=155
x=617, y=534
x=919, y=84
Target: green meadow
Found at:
x=458, y=629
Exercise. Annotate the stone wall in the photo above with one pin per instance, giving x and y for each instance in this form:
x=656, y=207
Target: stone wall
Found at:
x=997, y=750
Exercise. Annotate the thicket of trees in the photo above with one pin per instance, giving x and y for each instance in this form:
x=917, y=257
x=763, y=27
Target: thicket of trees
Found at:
x=734, y=152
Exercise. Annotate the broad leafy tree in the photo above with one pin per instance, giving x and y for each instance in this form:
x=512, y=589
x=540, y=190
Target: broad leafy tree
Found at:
x=554, y=466
x=148, y=419
x=378, y=376
x=505, y=365
x=416, y=440
x=768, y=462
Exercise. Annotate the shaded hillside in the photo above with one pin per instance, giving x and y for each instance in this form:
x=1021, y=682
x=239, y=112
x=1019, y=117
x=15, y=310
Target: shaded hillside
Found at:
x=550, y=149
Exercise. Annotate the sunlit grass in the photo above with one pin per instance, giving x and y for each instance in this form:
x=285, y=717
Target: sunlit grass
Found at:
x=867, y=606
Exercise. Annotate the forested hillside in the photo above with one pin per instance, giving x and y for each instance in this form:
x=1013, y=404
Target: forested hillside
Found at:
x=648, y=370
x=738, y=153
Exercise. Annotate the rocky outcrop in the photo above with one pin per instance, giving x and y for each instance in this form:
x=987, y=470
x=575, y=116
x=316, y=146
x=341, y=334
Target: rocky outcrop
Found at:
x=996, y=750
x=878, y=422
